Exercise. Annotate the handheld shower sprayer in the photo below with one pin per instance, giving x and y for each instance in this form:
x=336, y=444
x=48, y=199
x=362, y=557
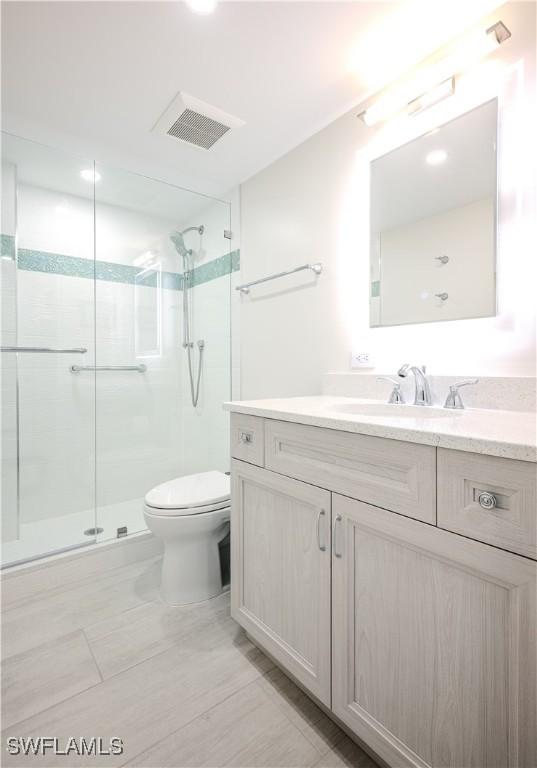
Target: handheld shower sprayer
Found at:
x=186, y=254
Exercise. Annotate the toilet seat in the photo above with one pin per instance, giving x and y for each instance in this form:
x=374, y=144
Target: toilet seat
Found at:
x=186, y=511
x=191, y=495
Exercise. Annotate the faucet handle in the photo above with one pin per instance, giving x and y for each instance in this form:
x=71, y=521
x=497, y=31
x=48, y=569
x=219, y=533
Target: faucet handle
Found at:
x=454, y=400
x=396, y=395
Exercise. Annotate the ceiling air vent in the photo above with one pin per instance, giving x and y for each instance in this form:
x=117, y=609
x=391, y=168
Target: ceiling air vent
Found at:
x=195, y=122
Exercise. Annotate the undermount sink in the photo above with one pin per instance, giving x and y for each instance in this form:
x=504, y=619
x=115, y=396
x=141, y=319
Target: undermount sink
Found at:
x=398, y=411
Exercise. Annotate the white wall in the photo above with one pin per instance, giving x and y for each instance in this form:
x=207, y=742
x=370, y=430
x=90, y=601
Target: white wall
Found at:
x=311, y=205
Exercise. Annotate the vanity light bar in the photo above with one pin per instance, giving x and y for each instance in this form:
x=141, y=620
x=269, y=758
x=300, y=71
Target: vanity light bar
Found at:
x=432, y=97
x=467, y=52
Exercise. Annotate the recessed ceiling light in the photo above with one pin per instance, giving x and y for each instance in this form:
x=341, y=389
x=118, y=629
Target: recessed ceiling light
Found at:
x=88, y=174
x=436, y=157
x=202, y=6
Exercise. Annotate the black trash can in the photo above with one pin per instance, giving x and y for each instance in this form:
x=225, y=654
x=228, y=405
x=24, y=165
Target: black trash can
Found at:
x=225, y=552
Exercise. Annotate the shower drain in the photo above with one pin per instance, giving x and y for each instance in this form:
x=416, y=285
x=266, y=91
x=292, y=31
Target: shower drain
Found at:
x=93, y=531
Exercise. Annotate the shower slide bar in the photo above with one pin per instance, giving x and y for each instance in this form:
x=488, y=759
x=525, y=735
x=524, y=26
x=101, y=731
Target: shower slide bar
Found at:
x=75, y=350
x=245, y=287
x=142, y=368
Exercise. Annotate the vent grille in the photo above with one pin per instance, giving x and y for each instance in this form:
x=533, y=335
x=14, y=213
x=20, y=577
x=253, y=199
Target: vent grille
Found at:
x=197, y=129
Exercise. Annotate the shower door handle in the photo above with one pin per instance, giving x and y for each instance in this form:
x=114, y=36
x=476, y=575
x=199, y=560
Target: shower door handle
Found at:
x=48, y=350
x=142, y=368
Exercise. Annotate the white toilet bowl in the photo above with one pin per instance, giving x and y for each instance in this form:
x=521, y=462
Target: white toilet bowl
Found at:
x=191, y=516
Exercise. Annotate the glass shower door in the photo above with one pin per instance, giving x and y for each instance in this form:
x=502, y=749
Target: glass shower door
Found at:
x=162, y=258
x=48, y=412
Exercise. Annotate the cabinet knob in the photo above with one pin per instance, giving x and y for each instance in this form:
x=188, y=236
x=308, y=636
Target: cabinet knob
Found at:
x=487, y=500
x=246, y=437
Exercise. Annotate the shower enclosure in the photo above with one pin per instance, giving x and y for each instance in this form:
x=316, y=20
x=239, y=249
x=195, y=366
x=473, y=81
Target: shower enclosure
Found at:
x=106, y=324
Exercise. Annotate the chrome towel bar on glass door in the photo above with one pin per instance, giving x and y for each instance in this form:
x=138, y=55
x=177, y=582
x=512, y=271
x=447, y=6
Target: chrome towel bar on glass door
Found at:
x=245, y=287
x=78, y=368
x=74, y=350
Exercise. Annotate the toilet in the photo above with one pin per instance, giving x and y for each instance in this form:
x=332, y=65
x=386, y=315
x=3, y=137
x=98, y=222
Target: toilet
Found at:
x=191, y=516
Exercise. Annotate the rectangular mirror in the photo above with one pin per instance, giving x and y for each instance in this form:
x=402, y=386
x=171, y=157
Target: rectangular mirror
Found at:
x=433, y=210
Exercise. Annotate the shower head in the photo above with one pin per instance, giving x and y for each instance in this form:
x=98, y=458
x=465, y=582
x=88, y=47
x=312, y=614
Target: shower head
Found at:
x=178, y=240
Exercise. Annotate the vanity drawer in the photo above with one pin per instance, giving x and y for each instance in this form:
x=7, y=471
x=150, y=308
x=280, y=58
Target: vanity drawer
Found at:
x=464, y=477
x=247, y=440
x=387, y=473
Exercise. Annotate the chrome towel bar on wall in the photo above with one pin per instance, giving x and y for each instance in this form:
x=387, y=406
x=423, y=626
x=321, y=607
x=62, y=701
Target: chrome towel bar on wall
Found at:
x=245, y=287
x=142, y=368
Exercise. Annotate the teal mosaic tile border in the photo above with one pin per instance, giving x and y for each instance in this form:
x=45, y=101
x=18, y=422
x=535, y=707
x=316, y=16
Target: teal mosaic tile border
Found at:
x=74, y=266
x=7, y=246
x=224, y=265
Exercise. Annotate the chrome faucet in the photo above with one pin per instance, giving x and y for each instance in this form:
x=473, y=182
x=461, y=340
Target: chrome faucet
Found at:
x=422, y=394
x=396, y=396
x=454, y=399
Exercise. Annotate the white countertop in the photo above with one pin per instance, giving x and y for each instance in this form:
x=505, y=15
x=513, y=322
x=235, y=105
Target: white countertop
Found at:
x=510, y=434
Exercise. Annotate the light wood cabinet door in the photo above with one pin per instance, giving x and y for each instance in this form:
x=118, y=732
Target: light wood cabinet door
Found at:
x=280, y=579
x=433, y=643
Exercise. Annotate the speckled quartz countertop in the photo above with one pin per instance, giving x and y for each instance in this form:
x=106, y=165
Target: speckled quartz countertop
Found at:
x=511, y=434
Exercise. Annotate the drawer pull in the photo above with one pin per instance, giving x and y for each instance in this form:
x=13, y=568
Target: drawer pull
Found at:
x=322, y=513
x=337, y=520
x=487, y=500
x=246, y=437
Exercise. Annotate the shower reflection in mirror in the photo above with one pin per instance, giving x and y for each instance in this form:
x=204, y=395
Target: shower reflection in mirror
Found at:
x=433, y=211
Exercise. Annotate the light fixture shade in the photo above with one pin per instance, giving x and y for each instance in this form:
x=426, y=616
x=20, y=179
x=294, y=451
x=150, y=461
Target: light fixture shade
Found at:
x=430, y=98
x=440, y=76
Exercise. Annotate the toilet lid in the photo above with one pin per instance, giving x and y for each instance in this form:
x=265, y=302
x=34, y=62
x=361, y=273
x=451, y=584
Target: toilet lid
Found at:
x=207, y=489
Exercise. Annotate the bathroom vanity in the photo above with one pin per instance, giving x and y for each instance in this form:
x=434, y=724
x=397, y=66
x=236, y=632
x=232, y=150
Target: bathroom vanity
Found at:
x=388, y=564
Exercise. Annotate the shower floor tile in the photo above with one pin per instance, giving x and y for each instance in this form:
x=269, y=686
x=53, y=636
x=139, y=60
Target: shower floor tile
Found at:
x=181, y=687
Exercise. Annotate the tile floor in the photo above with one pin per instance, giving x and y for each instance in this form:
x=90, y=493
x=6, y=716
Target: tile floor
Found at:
x=180, y=686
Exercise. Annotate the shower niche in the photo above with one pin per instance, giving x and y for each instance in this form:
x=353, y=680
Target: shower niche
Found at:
x=101, y=318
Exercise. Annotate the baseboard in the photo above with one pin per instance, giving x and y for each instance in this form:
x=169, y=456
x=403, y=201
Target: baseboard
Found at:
x=24, y=582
